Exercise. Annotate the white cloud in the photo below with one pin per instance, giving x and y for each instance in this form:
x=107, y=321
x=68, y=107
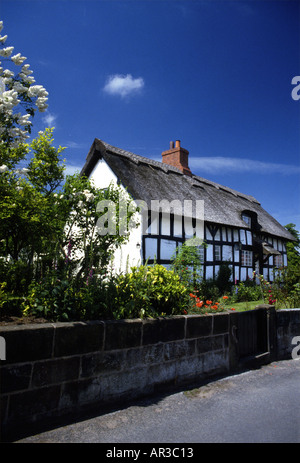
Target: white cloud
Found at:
x=219, y=164
x=123, y=85
x=49, y=119
x=70, y=170
x=74, y=145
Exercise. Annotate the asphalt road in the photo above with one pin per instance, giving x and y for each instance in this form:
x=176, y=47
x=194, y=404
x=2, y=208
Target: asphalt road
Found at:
x=258, y=406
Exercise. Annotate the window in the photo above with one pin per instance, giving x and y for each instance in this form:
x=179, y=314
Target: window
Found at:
x=246, y=219
x=278, y=262
x=249, y=237
x=227, y=253
x=150, y=248
x=167, y=249
x=246, y=258
x=208, y=234
x=243, y=274
x=236, y=254
x=217, y=252
x=209, y=271
x=201, y=254
x=236, y=273
x=243, y=236
x=217, y=235
x=209, y=252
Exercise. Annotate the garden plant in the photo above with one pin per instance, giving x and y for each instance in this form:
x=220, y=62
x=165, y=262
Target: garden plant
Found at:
x=54, y=262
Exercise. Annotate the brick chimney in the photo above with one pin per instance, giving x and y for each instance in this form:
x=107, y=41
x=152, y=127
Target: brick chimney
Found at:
x=177, y=157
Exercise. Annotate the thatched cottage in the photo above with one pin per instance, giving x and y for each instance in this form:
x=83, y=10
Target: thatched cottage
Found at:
x=233, y=225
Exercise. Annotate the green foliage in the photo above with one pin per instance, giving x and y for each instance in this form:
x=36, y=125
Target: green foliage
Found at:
x=144, y=292
x=223, y=280
x=187, y=264
x=56, y=245
x=63, y=299
x=148, y=292
x=294, y=296
x=293, y=247
x=10, y=156
x=50, y=237
x=282, y=292
x=30, y=220
x=86, y=243
x=208, y=290
x=45, y=171
x=51, y=298
x=247, y=291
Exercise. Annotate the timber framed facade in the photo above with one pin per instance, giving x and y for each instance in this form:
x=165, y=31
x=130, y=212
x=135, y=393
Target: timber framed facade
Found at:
x=235, y=227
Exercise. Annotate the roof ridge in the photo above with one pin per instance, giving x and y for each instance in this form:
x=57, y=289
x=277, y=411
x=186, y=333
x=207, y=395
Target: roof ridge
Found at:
x=218, y=186
x=137, y=158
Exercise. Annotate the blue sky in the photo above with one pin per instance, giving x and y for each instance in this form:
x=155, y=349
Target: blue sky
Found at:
x=137, y=74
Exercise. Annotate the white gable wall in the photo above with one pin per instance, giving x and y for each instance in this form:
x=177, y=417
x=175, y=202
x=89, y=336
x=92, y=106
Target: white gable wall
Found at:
x=129, y=254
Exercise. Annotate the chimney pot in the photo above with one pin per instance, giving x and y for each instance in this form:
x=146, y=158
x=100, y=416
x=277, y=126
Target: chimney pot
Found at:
x=171, y=145
x=177, y=144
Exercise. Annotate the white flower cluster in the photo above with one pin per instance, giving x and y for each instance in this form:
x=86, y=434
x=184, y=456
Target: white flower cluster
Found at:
x=19, y=171
x=14, y=90
x=88, y=195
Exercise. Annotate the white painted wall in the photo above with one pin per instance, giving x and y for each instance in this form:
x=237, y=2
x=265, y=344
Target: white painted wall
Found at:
x=129, y=254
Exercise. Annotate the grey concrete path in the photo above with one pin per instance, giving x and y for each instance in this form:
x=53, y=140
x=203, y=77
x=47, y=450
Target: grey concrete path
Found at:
x=258, y=406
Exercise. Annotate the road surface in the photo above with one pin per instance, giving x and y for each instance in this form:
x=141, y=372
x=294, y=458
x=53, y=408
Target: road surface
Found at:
x=258, y=406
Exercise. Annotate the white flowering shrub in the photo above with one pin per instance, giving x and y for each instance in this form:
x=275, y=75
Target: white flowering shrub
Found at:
x=51, y=250
x=17, y=90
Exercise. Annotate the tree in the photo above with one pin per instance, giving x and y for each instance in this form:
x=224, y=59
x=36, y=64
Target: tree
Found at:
x=223, y=280
x=47, y=220
x=290, y=276
x=293, y=247
x=49, y=224
x=30, y=218
x=187, y=263
x=19, y=100
x=85, y=246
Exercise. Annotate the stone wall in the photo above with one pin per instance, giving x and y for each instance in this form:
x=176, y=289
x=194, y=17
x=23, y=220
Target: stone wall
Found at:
x=288, y=327
x=56, y=370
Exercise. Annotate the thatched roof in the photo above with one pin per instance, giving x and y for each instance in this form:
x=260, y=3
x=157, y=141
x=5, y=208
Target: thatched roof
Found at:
x=146, y=179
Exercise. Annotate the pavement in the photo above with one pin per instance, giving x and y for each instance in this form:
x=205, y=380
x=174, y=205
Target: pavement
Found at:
x=257, y=406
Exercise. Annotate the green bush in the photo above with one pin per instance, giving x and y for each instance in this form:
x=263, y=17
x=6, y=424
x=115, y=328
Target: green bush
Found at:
x=247, y=291
x=149, y=291
x=144, y=292
x=187, y=265
x=52, y=298
x=223, y=280
x=209, y=290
